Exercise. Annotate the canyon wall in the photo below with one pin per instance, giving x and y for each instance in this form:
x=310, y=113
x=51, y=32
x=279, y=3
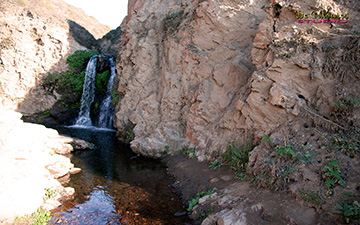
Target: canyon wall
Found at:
x=35, y=38
x=203, y=73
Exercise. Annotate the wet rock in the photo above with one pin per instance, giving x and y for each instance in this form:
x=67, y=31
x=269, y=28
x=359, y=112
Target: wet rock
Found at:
x=179, y=214
x=68, y=193
x=81, y=144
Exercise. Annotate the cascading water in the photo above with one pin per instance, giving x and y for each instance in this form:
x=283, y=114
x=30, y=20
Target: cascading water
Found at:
x=106, y=108
x=88, y=94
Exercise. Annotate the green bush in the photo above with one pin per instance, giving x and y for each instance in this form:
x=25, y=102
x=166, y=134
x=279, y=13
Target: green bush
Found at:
x=65, y=80
x=101, y=82
x=80, y=58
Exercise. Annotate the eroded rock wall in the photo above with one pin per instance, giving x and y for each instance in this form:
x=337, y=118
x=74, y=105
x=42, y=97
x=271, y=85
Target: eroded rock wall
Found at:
x=184, y=74
x=203, y=73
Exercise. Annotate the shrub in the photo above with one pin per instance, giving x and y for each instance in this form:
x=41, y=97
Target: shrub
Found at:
x=237, y=156
x=332, y=174
x=80, y=58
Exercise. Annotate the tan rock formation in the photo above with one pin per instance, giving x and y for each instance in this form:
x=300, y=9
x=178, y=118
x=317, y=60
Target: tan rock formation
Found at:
x=184, y=70
x=29, y=166
x=203, y=73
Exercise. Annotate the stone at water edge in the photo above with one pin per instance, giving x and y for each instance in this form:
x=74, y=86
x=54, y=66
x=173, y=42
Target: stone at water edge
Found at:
x=75, y=170
x=50, y=205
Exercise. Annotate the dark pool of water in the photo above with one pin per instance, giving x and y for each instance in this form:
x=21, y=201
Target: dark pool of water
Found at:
x=117, y=187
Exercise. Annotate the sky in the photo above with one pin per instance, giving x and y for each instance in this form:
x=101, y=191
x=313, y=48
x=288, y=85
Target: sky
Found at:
x=107, y=12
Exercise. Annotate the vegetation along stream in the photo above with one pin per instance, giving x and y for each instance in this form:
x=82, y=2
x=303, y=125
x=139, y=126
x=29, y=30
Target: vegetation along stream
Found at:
x=116, y=186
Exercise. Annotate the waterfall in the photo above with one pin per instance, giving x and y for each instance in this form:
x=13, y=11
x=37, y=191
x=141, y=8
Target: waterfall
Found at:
x=106, y=108
x=88, y=94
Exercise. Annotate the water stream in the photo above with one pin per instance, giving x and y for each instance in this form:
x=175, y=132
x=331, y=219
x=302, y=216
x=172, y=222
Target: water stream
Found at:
x=88, y=94
x=106, y=111
x=117, y=187
x=106, y=108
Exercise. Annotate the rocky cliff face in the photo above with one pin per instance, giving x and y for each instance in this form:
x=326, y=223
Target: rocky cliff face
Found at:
x=184, y=73
x=203, y=73
x=35, y=38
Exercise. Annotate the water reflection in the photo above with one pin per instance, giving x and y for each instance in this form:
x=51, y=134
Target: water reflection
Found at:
x=117, y=187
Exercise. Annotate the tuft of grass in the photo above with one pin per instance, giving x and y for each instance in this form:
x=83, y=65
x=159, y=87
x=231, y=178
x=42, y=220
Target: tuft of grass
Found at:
x=350, y=212
x=189, y=153
x=215, y=164
x=39, y=217
x=237, y=156
x=193, y=202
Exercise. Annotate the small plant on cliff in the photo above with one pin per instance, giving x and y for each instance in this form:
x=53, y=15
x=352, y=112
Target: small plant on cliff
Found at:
x=285, y=151
x=188, y=152
x=172, y=22
x=332, y=175
x=45, y=114
x=50, y=193
x=349, y=212
x=193, y=202
x=129, y=136
x=116, y=97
